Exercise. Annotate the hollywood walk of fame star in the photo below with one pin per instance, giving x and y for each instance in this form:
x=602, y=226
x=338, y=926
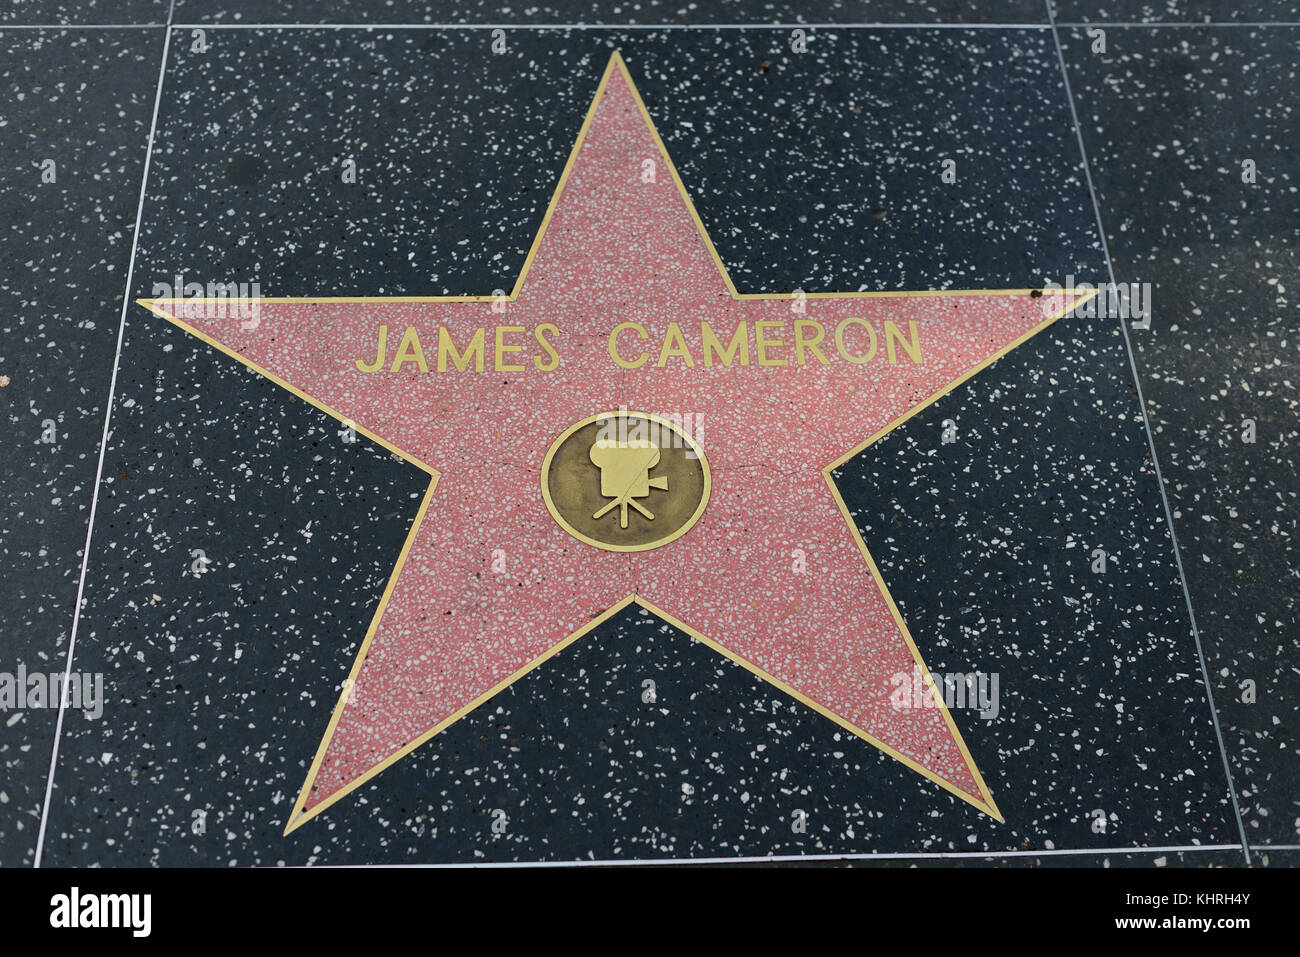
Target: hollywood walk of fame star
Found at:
x=623, y=304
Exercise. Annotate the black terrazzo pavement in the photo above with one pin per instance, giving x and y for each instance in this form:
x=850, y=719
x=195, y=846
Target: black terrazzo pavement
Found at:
x=717, y=766
x=80, y=12
x=219, y=684
x=1168, y=117
x=1177, y=11
x=82, y=99
x=653, y=12
x=810, y=170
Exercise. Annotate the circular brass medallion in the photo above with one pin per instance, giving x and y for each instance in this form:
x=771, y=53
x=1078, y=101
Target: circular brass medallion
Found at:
x=625, y=481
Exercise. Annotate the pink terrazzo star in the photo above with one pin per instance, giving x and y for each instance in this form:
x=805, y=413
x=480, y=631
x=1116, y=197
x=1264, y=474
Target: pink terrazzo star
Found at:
x=773, y=575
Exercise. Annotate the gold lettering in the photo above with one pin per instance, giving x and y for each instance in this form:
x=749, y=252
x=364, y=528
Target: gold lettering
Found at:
x=843, y=350
x=676, y=348
x=892, y=332
x=382, y=353
x=811, y=344
x=613, y=345
x=554, y=357
x=502, y=348
x=712, y=346
x=448, y=348
x=762, y=343
x=410, y=350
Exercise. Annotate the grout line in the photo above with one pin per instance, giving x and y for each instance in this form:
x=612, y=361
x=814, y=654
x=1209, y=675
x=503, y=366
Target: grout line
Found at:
x=1130, y=25
x=616, y=26
x=1151, y=443
x=805, y=858
x=80, y=26
x=103, y=446
x=711, y=26
x=369, y=27
x=1259, y=850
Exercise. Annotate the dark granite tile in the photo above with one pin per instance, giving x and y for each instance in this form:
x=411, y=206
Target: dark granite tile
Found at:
x=988, y=545
x=1199, y=858
x=810, y=170
x=1169, y=116
x=49, y=12
x=582, y=767
x=672, y=12
x=83, y=100
x=1267, y=856
x=1177, y=11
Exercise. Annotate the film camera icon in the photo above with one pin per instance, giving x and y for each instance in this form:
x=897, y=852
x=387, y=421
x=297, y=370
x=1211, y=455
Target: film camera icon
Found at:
x=625, y=475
